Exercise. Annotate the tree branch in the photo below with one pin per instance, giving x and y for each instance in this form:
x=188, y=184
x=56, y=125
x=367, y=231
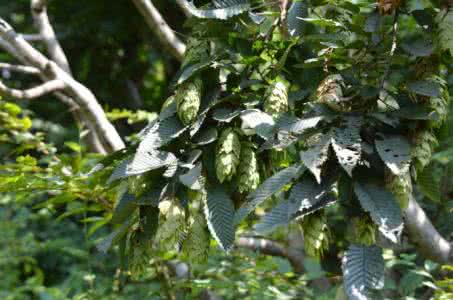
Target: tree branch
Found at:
x=19, y=68
x=158, y=25
x=183, y=7
x=83, y=97
x=269, y=247
x=35, y=92
x=423, y=234
x=41, y=19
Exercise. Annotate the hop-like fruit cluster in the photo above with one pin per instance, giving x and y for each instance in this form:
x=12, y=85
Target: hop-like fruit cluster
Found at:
x=316, y=234
x=330, y=93
x=188, y=100
x=196, y=245
x=400, y=186
x=172, y=225
x=228, y=155
x=197, y=50
x=424, y=143
x=362, y=231
x=249, y=176
x=276, y=99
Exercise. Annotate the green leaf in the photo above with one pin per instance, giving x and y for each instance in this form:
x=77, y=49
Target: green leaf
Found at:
x=192, y=69
x=161, y=133
x=147, y=161
x=115, y=236
x=124, y=209
x=316, y=154
x=206, y=137
x=256, y=121
x=420, y=47
x=383, y=208
x=395, y=151
x=296, y=26
x=219, y=212
x=191, y=179
x=268, y=188
x=225, y=114
x=425, y=88
x=346, y=143
x=363, y=271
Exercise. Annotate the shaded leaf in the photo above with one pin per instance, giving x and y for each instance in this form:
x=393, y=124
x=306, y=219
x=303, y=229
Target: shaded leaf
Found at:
x=395, y=151
x=425, y=88
x=346, y=143
x=219, y=212
x=363, y=271
x=124, y=209
x=316, y=154
x=383, y=209
x=268, y=188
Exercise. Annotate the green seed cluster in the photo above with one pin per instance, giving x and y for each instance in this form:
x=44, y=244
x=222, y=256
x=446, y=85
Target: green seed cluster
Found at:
x=276, y=99
x=316, y=234
x=249, y=176
x=228, y=155
x=188, y=100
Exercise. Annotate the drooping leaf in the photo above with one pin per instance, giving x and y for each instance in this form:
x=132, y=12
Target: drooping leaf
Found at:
x=297, y=10
x=147, y=161
x=206, y=137
x=346, y=142
x=395, y=151
x=420, y=47
x=268, y=188
x=316, y=154
x=363, y=271
x=126, y=206
x=219, y=211
x=225, y=114
x=256, y=121
x=223, y=10
x=191, y=179
x=383, y=209
x=425, y=88
x=192, y=69
x=161, y=133
x=280, y=215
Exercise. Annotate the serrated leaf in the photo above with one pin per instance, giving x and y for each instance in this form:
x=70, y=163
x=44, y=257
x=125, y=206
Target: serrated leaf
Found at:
x=124, y=209
x=316, y=154
x=419, y=47
x=256, y=121
x=147, y=161
x=206, y=137
x=191, y=179
x=425, y=88
x=219, y=212
x=363, y=271
x=225, y=114
x=192, y=69
x=304, y=198
x=268, y=188
x=295, y=25
x=395, y=152
x=223, y=9
x=383, y=209
x=161, y=133
x=280, y=215
x=346, y=143
x=296, y=125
